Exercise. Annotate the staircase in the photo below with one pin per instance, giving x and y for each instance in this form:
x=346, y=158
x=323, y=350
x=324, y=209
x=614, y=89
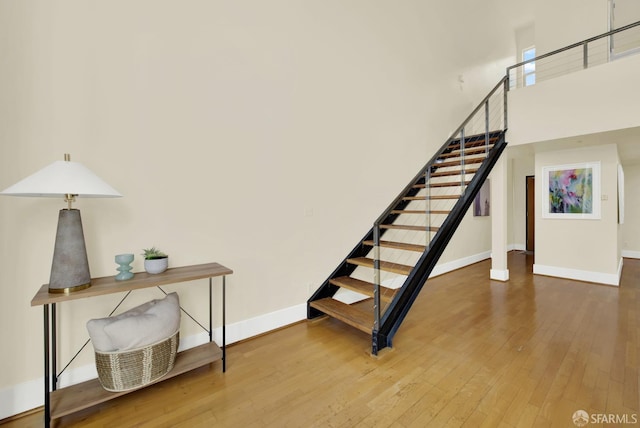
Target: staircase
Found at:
x=384, y=276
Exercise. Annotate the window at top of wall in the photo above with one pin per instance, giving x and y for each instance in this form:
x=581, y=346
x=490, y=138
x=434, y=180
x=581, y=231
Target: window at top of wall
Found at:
x=529, y=69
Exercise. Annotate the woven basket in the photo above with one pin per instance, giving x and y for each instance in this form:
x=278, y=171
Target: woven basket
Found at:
x=123, y=371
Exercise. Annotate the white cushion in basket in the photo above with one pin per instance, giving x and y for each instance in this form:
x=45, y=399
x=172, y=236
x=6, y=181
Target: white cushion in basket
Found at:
x=143, y=325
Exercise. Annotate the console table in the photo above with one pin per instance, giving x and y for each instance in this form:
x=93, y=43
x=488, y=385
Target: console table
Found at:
x=64, y=401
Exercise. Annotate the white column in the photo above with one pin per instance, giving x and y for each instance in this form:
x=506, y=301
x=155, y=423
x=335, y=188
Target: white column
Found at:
x=499, y=215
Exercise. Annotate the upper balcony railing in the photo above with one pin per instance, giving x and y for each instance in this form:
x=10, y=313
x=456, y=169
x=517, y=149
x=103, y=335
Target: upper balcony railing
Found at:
x=596, y=50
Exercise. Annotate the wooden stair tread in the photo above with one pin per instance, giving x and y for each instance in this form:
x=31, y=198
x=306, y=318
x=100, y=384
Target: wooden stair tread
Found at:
x=409, y=227
x=444, y=184
x=423, y=212
x=348, y=314
x=363, y=287
x=469, y=151
x=457, y=162
x=455, y=172
x=438, y=197
x=455, y=145
x=398, y=245
x=384, y=265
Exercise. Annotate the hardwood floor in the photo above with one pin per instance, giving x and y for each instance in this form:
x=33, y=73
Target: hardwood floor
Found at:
x=471, y=353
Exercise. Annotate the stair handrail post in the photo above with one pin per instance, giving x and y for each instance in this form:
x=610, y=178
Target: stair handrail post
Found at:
x=462, y=166
x=585, y=55
x=505, y=96
x=376, y=277
x=486, y=126
x=427, y=193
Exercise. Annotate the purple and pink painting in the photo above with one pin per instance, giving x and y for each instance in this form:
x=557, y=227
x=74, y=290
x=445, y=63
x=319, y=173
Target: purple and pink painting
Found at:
x=571, y=191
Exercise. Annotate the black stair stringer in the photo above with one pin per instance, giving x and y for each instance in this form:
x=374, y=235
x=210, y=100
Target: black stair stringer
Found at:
x=401, y=303
x=327, y=289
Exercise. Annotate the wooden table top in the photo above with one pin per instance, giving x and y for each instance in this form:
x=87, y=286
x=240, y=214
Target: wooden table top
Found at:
x=109, y=285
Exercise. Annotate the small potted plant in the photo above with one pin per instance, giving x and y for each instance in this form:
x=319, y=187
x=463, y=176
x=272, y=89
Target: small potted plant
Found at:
x=155, y=261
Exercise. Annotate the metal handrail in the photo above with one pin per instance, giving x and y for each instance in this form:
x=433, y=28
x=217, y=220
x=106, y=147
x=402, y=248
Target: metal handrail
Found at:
x=583, y=43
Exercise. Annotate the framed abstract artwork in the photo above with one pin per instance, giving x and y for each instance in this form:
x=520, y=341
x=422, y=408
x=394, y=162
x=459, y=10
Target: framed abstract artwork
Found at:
x=571, y=191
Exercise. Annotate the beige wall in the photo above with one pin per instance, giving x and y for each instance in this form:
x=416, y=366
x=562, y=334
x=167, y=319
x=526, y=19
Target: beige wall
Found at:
x=266, y=136
x=461, y=246
x=589, y=247
x=559, y=24
x=522, y=165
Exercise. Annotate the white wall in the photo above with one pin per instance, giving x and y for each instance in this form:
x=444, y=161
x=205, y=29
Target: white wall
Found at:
x=266, y=136
x=630, y=230
x=578, y=248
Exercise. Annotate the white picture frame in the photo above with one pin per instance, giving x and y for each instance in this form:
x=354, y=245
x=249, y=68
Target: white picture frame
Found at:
x=571, y=191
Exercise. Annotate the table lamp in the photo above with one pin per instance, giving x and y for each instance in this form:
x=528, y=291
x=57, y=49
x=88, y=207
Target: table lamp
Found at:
x=66, y=179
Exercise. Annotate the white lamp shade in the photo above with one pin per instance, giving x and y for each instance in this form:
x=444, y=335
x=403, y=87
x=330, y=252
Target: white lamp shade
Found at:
x=63, y=178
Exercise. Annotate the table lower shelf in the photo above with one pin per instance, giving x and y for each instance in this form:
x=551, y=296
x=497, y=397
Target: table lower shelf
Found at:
x=86, y=394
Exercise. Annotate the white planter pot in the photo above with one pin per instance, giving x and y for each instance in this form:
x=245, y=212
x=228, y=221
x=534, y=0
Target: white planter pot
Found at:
x=156, y=265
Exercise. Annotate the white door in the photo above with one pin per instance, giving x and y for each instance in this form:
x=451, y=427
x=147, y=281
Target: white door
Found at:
x=624, y=12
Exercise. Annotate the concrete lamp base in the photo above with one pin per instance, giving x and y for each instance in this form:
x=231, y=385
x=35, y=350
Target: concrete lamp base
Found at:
x=70, y=266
